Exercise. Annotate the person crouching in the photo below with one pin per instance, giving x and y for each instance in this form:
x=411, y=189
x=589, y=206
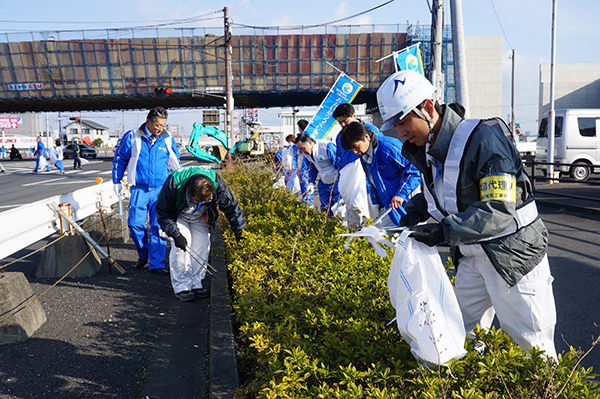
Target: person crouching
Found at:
x=187, y=212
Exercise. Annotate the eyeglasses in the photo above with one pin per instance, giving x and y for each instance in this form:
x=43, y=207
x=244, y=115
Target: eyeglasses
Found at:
x=195, y=199
x=208, y=200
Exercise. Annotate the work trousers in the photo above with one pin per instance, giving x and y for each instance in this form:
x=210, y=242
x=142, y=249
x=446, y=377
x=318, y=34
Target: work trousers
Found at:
x=142, y=205
x=59, y=165
x=329, y=195
x=525, y=311
x=189, y=268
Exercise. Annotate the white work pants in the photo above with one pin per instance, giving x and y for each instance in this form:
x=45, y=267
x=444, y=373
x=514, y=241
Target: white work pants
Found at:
x=186, y=271
x=525, y=311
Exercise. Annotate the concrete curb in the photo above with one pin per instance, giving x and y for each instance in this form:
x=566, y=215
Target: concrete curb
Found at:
x=553, y=202
x=223, y=372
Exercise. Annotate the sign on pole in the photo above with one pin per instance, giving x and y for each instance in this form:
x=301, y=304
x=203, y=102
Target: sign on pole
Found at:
x=343, y=91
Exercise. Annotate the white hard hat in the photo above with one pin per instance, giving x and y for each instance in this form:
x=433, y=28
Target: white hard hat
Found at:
x=400, y=94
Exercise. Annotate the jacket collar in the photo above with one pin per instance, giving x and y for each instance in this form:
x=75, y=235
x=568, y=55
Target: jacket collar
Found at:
x=142, y=131
x=439, y=150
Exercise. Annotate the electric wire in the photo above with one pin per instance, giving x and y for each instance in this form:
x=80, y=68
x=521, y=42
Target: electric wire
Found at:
x=240, y=9
x=500, y=23
x=317, y=25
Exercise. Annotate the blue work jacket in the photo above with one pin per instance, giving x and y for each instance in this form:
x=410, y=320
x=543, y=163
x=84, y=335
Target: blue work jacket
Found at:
x=390, y=175
x=147, y=165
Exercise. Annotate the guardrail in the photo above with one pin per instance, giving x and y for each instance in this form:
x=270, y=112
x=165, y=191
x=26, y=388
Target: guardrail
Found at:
x=30, y=223
x=533, y=164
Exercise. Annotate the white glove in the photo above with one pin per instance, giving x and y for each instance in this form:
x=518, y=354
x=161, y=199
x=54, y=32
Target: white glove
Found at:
x=118, y=188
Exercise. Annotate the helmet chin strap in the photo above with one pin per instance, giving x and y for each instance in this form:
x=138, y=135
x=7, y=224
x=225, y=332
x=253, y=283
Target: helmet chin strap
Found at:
x=429, y=121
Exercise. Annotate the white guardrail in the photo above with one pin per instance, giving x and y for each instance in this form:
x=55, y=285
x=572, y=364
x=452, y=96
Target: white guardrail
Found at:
x=30, y=223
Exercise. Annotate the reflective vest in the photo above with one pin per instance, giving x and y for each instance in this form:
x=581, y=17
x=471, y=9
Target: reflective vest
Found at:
x=326, y=168
x=525, y=214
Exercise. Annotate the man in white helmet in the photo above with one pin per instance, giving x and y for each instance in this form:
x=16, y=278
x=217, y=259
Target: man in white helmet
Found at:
x=482, y=201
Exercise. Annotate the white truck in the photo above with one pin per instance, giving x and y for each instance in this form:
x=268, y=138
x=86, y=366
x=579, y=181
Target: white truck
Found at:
x=576, y=142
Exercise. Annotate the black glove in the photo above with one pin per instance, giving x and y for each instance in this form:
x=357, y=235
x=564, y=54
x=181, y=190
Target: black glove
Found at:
x=410, y=219
x=238, y=235
x=431, y=234
x=180, y=242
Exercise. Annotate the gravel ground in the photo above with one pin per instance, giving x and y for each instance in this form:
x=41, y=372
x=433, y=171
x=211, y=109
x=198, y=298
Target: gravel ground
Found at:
x=99, y=336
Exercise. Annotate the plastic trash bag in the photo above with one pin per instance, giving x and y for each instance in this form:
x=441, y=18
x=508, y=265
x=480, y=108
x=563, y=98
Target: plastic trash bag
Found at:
x=427, y=311
x=352, y=185
x=43, y=164
x=52, y=155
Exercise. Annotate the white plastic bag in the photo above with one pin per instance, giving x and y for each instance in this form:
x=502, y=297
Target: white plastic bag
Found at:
x=353, y=189
x=52, y=155
x=43, y=164
x=427, y=311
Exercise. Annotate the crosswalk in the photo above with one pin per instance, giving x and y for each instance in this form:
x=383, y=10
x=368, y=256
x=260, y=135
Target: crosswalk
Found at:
x=55, y=178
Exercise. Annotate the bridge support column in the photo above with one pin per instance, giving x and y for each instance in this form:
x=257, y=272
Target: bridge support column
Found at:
x=15, y=293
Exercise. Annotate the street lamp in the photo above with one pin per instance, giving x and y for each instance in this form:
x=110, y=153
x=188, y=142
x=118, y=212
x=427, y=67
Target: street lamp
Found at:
x=294, y=111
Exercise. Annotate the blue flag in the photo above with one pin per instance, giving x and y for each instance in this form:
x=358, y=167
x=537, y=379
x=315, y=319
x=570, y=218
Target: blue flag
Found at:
x=343, y=91
x=410, y=59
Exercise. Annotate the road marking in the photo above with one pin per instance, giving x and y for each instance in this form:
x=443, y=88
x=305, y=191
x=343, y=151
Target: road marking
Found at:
x=55, y=183
x=42, y=182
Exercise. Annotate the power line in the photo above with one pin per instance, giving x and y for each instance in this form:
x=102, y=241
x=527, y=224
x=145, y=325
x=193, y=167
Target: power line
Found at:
x=499, y=23
x=240, y=9
x=156, y=24
x=317, y=25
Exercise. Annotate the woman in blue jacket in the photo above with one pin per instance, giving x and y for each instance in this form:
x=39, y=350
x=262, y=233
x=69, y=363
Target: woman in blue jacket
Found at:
x=393, y=179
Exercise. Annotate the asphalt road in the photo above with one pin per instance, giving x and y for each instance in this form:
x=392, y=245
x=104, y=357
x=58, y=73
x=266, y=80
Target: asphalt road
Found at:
x=20, y=185
x=574, y=256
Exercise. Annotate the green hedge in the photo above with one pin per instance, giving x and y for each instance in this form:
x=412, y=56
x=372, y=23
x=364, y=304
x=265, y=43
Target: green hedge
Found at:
x=311, y=318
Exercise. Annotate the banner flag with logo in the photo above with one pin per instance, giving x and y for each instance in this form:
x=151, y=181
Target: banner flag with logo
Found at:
x=409, y=59
x=343, y=91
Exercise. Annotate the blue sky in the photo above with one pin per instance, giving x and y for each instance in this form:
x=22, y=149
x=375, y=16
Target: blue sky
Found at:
x=525, y=25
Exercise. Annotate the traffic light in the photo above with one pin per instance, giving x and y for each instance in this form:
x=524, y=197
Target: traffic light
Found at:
x=73, y=118
x=162, y=91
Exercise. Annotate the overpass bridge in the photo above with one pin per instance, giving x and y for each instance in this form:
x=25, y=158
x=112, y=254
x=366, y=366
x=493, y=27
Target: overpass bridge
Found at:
x=60, y=72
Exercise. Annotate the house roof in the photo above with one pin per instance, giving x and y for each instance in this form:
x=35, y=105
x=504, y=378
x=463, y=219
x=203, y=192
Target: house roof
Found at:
x=92, y=124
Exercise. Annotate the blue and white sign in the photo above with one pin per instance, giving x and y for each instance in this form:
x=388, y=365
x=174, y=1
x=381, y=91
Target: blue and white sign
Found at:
x=343, y=91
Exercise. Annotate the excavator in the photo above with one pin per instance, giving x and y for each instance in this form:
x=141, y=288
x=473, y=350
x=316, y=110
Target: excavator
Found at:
x=194, y=149
x=252, y=148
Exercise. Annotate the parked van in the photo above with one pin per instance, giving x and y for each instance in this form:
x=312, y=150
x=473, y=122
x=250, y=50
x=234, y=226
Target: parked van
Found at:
x=576, y=141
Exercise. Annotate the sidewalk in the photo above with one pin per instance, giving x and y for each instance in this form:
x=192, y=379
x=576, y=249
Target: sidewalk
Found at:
x=113, y=336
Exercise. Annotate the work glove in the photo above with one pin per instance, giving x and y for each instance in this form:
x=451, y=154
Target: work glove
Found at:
x=430, y=234
x=238, y=235
x=410, y=219
x=180, y=242
x=118, y=188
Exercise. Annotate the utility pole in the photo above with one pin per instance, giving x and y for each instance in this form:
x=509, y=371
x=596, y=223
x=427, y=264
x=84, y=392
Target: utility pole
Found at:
x=438, y=33
x=512, y=98
x=460, y=59
x=551, y=115
x=228, y=88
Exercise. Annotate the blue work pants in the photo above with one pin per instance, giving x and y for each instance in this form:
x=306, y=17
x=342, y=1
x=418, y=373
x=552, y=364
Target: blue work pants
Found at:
x=329, y=195
x=141, y=206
